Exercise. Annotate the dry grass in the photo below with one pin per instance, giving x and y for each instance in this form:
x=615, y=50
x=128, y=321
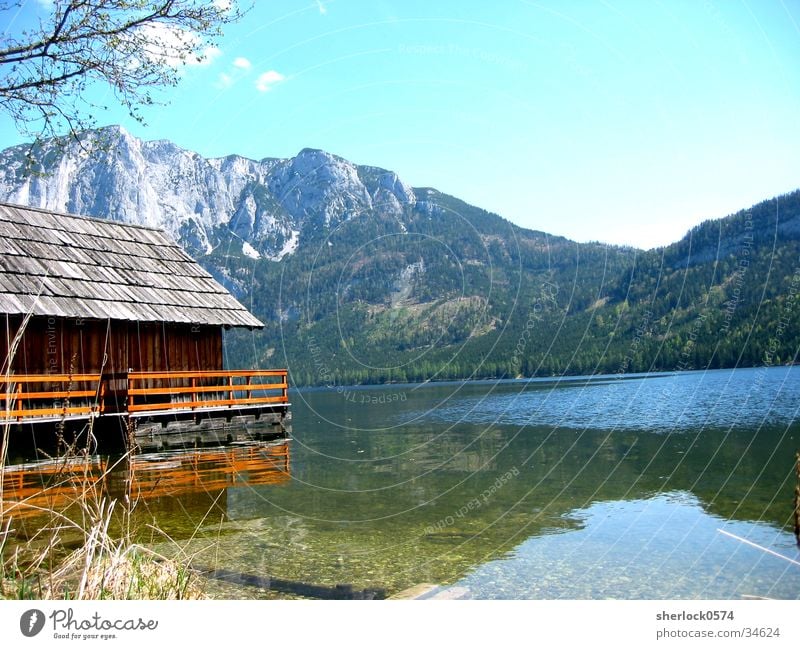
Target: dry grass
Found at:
x=84, y=548
x=108, y=568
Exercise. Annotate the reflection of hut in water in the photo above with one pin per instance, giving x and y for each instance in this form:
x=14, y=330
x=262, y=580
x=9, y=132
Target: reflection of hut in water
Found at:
x=159, y=475
x=191, y=481
x=37, y=488
x=115, y=324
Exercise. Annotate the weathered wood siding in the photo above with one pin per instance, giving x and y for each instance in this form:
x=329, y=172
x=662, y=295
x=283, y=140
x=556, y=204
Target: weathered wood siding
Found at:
x=67, y=345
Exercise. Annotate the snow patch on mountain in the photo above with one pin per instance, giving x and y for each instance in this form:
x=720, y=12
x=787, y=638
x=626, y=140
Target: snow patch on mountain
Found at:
x=251, y=252
x=289, y=247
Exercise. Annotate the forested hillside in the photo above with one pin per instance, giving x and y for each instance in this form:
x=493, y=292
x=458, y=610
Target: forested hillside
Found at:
x=361, y=278
x=468, y=295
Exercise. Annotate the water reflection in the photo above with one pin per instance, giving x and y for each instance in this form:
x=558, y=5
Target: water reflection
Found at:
x=661, y=560
x=33, y=489
x=159, y=475
x=191, y=481
x=627, y=481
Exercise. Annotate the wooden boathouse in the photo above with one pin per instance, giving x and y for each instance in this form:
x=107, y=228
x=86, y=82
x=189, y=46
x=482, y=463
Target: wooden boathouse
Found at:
x=115, y=325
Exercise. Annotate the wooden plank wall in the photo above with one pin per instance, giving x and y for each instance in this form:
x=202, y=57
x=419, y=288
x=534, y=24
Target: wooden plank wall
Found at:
x=64, y=345
x=172, y=347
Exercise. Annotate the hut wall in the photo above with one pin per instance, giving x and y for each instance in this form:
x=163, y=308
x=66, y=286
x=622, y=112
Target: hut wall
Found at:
x=68, y=345
x=154, y=346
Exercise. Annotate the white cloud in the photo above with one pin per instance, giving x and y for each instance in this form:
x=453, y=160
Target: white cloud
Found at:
x=239, y=68
x=267, y=80
x=321, y=6
x=170, y=45
x=223, y=5
x=165, y=44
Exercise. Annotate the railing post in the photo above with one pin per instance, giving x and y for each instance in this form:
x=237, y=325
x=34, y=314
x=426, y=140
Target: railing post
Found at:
x=19, y=401
x=194, y=392
x=131, y=382
x=101, y=406
x=230, y=388
x=249, y=393
x=285, y=381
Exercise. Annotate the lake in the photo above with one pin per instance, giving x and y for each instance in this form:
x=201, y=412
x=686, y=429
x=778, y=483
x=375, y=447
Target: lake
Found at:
x=635, y=487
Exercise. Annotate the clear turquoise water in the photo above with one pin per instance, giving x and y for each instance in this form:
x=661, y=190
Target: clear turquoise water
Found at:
x=666, y=546
x=598, y=487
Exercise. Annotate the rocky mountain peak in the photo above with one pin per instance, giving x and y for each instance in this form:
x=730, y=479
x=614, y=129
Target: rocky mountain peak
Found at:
x=319, y=187
x=259, y=207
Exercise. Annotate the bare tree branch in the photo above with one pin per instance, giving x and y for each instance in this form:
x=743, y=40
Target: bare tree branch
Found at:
x=133, y=46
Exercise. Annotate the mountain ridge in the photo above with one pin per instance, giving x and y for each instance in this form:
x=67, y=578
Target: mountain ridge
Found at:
x=390, y=282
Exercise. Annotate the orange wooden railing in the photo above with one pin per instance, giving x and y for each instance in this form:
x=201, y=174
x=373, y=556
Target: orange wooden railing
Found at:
x=150, y=392
x=70, y=394
x=59, y=395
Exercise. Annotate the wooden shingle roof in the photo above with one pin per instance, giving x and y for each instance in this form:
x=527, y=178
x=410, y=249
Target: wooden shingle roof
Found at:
x=70, y=266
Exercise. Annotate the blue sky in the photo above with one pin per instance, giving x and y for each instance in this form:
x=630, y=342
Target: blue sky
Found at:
x=624, y=122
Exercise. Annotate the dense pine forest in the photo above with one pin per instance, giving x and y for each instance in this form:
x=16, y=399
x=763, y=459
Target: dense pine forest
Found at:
x=453, y=292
